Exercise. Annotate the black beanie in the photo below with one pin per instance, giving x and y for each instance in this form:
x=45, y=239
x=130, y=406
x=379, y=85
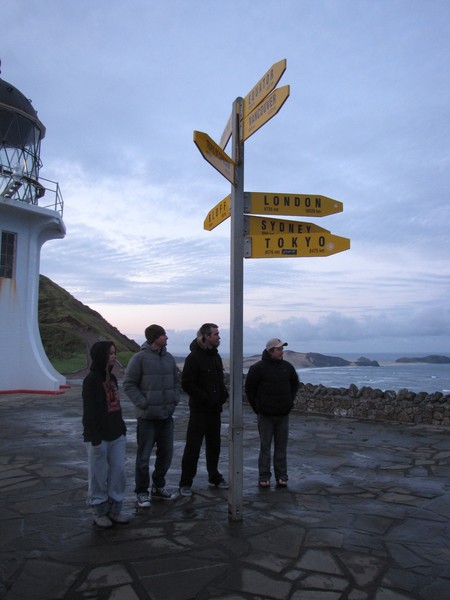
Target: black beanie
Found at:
x=153, y=332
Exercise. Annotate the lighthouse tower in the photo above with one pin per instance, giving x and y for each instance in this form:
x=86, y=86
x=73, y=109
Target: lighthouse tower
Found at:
x=30, y=215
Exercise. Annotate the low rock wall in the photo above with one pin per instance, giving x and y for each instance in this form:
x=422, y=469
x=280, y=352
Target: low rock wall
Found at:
x=403, y=406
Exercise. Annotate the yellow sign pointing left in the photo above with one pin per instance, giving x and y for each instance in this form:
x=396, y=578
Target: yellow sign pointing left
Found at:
x=214, y=154
x=218, y=214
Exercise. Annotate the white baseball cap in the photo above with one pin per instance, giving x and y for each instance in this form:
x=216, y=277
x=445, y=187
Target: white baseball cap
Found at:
x=275, y=343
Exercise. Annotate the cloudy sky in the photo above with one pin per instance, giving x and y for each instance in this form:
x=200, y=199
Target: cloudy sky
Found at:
x=122, y=84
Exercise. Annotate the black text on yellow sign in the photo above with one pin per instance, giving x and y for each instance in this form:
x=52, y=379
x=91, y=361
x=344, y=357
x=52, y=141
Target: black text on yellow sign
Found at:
x=264, y=86
x=218, y=214
x=214, y=154
x=267, y=109
x=298, y=205
x=288, y=246
x=270, y=226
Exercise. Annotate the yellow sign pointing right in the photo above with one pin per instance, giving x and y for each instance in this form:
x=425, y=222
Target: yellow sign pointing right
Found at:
x=288, y=246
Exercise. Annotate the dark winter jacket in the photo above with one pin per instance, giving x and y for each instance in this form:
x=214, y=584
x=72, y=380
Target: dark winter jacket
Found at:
x=102, y=413
x=151, y=383
x=202, y=379
x=271, y=386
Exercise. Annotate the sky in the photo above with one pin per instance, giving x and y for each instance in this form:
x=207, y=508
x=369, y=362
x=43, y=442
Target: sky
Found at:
x=121, y=85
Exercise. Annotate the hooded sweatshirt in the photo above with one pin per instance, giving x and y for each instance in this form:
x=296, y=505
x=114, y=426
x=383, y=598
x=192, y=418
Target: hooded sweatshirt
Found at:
x=202, y=378
x=102, y=413
x=151, y=383
x=271, y=386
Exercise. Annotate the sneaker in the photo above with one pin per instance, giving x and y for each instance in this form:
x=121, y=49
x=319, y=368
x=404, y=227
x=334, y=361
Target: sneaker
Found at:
x=102, y=521
x=143, y=500
x=162, y=494
x=121, y=519
x=185, y=490
x=221, y=485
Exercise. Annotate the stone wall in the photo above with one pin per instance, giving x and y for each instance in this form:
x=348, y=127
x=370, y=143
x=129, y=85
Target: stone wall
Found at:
x=403, y=406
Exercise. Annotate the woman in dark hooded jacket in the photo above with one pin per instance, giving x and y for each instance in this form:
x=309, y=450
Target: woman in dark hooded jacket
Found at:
x=104, y=432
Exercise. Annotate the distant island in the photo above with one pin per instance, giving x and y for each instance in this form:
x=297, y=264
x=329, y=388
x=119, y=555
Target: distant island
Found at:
x=431, y=359
x=305, y=360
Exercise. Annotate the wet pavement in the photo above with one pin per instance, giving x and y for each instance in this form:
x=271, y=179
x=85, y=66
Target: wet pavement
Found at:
x=366, y=516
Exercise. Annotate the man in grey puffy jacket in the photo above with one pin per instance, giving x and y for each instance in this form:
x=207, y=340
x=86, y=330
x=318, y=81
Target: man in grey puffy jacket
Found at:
x=151, y=383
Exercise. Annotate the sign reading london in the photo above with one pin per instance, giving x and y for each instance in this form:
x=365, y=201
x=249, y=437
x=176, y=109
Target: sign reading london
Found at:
x=300, y=205
x=214, y=154
x=288, y=246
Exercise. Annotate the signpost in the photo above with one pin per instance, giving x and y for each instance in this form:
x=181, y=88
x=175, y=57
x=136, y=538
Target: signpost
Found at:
x=258, y=236
x=289, y=245
x=215, y=155
x=299, y=205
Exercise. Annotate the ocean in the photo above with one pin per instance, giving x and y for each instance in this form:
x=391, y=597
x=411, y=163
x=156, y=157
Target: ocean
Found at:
x=416, y=377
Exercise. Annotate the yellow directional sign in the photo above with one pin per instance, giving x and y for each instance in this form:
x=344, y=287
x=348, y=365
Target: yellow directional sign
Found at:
x=271, y=226
x=265, y=110
x=288, y=246
x=215, y=155
x=264, y=86
x=218, y=214
x=225, y=137
x=298, y=205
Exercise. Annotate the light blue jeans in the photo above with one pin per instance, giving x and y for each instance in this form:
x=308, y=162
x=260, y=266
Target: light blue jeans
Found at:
x=106, y=475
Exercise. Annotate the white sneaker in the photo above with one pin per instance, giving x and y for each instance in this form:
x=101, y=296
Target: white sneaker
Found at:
x=121, y=519
x=102, y=521
x=185, y=490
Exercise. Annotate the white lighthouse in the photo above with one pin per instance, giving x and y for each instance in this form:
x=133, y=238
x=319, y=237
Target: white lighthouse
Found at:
x=30, y=214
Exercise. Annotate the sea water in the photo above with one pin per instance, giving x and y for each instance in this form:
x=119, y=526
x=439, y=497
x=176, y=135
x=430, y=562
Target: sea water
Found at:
x=416, y=377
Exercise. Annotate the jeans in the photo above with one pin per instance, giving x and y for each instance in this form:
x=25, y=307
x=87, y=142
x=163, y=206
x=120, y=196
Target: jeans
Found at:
x=276, y=428
x=106, y=474
x=201, y=425
x=150, y=432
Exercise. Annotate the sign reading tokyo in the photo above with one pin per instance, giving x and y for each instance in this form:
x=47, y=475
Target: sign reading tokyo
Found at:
x=300, y=205
x=285, y=246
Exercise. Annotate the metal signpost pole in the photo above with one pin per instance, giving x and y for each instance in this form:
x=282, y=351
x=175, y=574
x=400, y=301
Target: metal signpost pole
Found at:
x=235, y=492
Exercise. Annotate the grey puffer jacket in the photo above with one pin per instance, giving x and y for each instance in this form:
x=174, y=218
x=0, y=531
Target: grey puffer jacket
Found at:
x=151, y=383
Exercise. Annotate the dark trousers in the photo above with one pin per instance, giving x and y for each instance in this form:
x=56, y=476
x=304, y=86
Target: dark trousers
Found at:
x=276, y=429
x=150, y=432
x=201, y=425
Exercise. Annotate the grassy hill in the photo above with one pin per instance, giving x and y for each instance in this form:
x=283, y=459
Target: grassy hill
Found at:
x=69, y=328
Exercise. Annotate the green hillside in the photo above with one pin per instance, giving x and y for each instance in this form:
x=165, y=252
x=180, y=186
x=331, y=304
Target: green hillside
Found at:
x=69, y=328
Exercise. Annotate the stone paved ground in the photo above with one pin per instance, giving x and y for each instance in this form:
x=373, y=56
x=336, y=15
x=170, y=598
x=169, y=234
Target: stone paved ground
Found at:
x=366, y=516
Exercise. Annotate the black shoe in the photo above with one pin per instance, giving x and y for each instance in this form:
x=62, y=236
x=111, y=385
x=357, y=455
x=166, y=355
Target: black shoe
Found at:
x=221, y=485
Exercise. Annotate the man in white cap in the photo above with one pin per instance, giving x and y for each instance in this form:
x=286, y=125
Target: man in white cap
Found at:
x=271, y=386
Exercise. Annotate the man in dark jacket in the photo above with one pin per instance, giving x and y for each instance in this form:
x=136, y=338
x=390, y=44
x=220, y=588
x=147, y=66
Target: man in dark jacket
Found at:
x=203, y=380
x=271, y=386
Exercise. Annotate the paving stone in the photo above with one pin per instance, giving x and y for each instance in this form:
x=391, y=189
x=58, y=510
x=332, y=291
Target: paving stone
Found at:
x=359, y=510
x=319, y=561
